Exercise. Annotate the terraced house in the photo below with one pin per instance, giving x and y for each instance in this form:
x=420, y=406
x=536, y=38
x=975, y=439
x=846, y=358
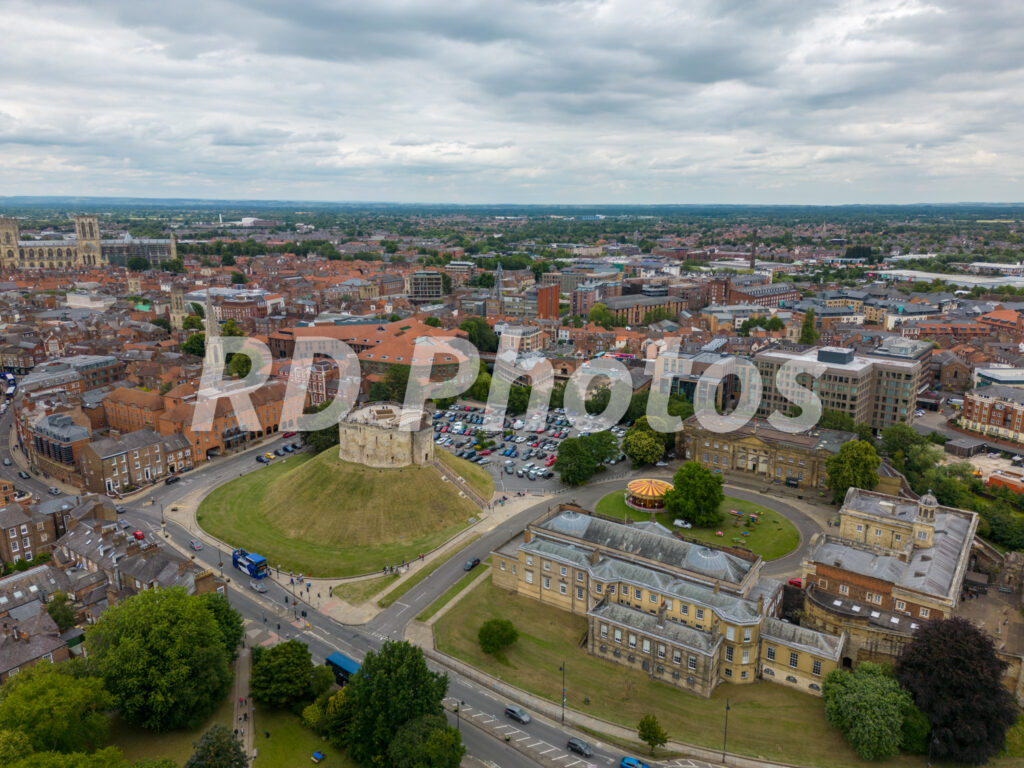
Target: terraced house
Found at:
x=687, y=614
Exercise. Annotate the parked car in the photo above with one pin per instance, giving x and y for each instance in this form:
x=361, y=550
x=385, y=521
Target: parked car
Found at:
x=288, y=434
x=195, y=544
x=518, y=714
x=120, y=509
x=23, y=475
x=171, y=480
x=53, y=491
x=471, y=564
x=258, y=586
x=268, y=456
x=661, y=463
x=7, y=462
x=680, y=523
x=139, y=535
x=279, y=452
x=579, y=746
x=262, y=459
x=632, y=762
x=796, y=582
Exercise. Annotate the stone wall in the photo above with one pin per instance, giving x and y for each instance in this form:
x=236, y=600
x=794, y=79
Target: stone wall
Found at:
x=384, y=446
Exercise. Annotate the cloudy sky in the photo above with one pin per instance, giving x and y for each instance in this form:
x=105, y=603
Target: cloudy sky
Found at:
x=532, y=101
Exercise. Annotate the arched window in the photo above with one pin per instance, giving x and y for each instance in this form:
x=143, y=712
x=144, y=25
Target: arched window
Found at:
x=60, y=254
x=21, y=253
x=49, y=253
x=92, y=233
x=31, y=253
x=10, y=254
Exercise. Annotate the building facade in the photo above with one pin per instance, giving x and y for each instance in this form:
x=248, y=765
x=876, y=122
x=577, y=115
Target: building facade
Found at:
x=137, y=459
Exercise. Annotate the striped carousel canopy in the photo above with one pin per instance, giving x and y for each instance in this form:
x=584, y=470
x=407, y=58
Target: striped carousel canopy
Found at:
x=648, y=488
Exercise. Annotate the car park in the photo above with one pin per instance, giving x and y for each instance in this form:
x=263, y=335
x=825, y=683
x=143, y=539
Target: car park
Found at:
x=518, y=714
x=580, y=747
x=195, y=544
x=509, y=469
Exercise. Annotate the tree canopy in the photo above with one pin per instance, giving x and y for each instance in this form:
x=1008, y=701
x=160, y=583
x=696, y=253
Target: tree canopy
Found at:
x=696, y=495
x=392, y=687
x=867, y=706
x=580, y=458
x=643, y=445
x=426, y=742
x=952, y=671
x=218, y=748
x=855, y=465
x=808, y=333
x=281, y=674
x=161, y=654
x=480, y=334
x=56, y=710
x=650, y=732
x=496, y=634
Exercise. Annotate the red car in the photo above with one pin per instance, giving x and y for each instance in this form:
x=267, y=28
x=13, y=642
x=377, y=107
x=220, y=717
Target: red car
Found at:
x=798, y=583
x=485, y=452
x=289, y=434
x=139, y=535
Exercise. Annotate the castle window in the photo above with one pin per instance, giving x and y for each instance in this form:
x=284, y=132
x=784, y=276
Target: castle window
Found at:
x=816, y=668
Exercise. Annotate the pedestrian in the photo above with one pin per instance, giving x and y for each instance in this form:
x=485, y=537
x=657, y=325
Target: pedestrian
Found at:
x=243, y=731
x=240, y=701
x=267, y=734
x=245, y=716
x=236, y=733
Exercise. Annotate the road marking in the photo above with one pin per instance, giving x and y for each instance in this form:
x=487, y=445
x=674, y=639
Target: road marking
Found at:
x=480, y=714
x=524, y=738
x=531, y=746
x=550, y=749
x=560, y=757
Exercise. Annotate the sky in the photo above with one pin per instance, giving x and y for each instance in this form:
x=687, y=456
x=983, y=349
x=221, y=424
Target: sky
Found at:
x=514, y=101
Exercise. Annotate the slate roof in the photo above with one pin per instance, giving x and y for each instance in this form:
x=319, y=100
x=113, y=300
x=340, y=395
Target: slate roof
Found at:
x=672, y=631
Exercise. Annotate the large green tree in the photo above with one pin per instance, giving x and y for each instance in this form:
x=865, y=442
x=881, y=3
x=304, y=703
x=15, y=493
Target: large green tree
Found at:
x=195, y=344
x=426, y=742
x=56, y=710
x=62, y=611
x=496, y=634
x=808, y=333
x=392, y=687
x=643, y=446
x=696, y=495
x=651, y=733
x=952, y=671
x=600, y=315
x=229, y=621
x=899, y=438
x=161, y=654
x=867, y=706
x=480, y=334
x=281, y=675
x=192, y=323
x=836, y=420
x=217, y=748
x=855, y=465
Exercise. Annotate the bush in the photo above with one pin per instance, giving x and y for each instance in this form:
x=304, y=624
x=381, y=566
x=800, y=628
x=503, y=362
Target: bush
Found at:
x=496, y=634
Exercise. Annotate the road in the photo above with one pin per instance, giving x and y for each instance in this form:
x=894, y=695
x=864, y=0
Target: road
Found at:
x=324, y=635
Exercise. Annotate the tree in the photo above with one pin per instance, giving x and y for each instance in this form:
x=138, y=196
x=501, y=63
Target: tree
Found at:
x=195, y=345
x=231, y=328
x=898, y=438
x=433, y=322
x=866, y=705
x=138, y=264
x=217, y=748
x=396, y=380
x=808, y=333
x=62, y=611
x=651, y=733
x=14, y=745
x=952, y=671
x=192, y=323
x=161, y=654
x=322, y=439
x=480, y=334
x=229, y=621
x=600, y=315
x=637, y=406
x=281, y=676
x=174, y=266
x=575, y=463
x=854, y=466
x=197, y=309
x=237, y=278
x=643, y=446
x=56, y=710
x=426, y=742
x=696, y=495
x=496, y=634
x=162, y=322
x=227, y=260
x=446, y=283
x=392, y=687
x=518, y=399
x=865, y=433
x=836, y=420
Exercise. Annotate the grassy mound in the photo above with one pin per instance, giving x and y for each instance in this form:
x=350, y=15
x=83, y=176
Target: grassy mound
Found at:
x=325, y=517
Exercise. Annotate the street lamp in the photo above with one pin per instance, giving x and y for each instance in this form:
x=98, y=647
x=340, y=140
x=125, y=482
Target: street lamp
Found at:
x=458, y=716
x=725, y=732
x=562, y=668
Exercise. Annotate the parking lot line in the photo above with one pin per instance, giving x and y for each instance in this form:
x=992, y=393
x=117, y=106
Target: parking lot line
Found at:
x=560, y=757
x=531, y=746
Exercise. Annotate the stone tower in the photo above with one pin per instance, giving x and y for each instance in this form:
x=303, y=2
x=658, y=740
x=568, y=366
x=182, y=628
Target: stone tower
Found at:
x=134, y=286
x=9, y=236
x=178, y=311
x=90, y=251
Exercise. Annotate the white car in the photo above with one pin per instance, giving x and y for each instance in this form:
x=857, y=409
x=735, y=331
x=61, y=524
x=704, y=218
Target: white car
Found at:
x=680, y=523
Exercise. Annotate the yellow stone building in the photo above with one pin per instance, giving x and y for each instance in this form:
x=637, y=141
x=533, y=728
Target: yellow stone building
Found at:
x=685, y=613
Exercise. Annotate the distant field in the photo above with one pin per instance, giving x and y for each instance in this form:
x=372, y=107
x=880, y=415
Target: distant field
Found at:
x=771, y=537
x=325, y=517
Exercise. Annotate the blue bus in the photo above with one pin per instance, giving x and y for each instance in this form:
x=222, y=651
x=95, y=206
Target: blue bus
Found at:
x=342, y=666
x=253, y=564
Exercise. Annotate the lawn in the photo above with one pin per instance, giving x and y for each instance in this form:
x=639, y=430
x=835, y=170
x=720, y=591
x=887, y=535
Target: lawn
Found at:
x=356, y=592
x=138, y=743
x=478, y=478
x=765, y=720
x=325, y=517
x=291, y=743
x=452, y=591
x=771, y=537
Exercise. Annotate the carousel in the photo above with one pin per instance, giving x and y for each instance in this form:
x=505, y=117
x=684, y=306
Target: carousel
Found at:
x=647, y=495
